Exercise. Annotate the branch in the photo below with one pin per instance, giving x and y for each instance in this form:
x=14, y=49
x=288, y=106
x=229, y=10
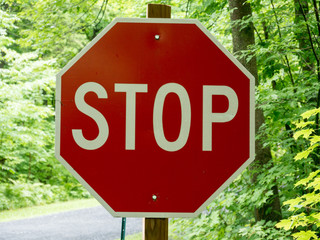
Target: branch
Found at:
x=315, y=55
x=187, y=8
x=316, y=11
x=255, y=29
x=71, y=27
x=309, y=33
x=280, y=35
x=102, y=9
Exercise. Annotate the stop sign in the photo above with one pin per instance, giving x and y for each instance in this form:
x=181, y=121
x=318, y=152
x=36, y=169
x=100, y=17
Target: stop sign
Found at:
x=155, y=117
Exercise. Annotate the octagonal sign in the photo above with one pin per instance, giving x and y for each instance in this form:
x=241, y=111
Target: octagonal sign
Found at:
x=155, y=117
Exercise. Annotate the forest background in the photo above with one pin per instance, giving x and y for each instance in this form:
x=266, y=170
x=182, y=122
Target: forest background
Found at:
x=277, y=197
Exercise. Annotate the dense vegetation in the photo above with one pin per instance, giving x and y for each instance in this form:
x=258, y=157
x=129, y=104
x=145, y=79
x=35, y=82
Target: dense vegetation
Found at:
x=37, y=38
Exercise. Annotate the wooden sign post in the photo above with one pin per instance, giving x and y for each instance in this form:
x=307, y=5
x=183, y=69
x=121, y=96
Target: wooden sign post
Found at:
x=158, y=11
x=156, y=228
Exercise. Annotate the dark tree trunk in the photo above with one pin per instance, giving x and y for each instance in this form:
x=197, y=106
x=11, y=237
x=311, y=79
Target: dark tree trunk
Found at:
x=242, y=38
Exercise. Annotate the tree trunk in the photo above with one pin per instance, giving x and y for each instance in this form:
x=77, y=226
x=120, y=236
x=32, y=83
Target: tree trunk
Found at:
x=241, y=39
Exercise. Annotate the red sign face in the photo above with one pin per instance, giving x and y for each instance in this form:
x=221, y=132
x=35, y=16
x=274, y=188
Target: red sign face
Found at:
x=155, y=118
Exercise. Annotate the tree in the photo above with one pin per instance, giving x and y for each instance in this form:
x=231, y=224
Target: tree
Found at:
x=243, y=38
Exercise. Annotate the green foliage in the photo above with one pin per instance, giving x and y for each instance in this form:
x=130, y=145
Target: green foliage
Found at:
x=21, y=194
x=29, y=172
x=305, y=207
x=230, y=216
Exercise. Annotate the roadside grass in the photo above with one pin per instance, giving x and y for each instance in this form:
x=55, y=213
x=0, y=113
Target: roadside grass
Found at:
x=28, y=212
x=137, y=236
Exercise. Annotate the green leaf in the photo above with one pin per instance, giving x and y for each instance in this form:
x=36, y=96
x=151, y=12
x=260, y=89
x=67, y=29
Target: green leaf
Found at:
x=316, y=217
x=302, y=155
x=293, y=203
x=285, y=224
x=305, y=133
x=310, y=113
x=303, y=124
x=305, y=153
x=315, y=184
x=314, y=139
x=310, y=199
x=305, y=235
x=307, y=179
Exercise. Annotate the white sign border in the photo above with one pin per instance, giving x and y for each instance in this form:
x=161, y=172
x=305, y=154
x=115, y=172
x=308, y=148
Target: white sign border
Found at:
x=155, y=214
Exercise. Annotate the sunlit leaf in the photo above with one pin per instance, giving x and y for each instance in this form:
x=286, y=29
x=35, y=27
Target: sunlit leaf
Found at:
x=310, y=113
x=305, y=235
x=305, y=133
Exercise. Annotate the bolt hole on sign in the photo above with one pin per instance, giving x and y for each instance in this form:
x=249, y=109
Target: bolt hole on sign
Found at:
x=155, y=117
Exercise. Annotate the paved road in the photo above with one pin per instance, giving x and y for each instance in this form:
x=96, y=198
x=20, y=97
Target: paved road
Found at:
x=85, y=224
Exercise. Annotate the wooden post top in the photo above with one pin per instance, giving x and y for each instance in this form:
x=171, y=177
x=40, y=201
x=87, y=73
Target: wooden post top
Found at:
x=158, y=11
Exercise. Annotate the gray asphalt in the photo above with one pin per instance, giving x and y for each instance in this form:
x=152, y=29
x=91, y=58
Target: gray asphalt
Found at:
x=85, y=224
